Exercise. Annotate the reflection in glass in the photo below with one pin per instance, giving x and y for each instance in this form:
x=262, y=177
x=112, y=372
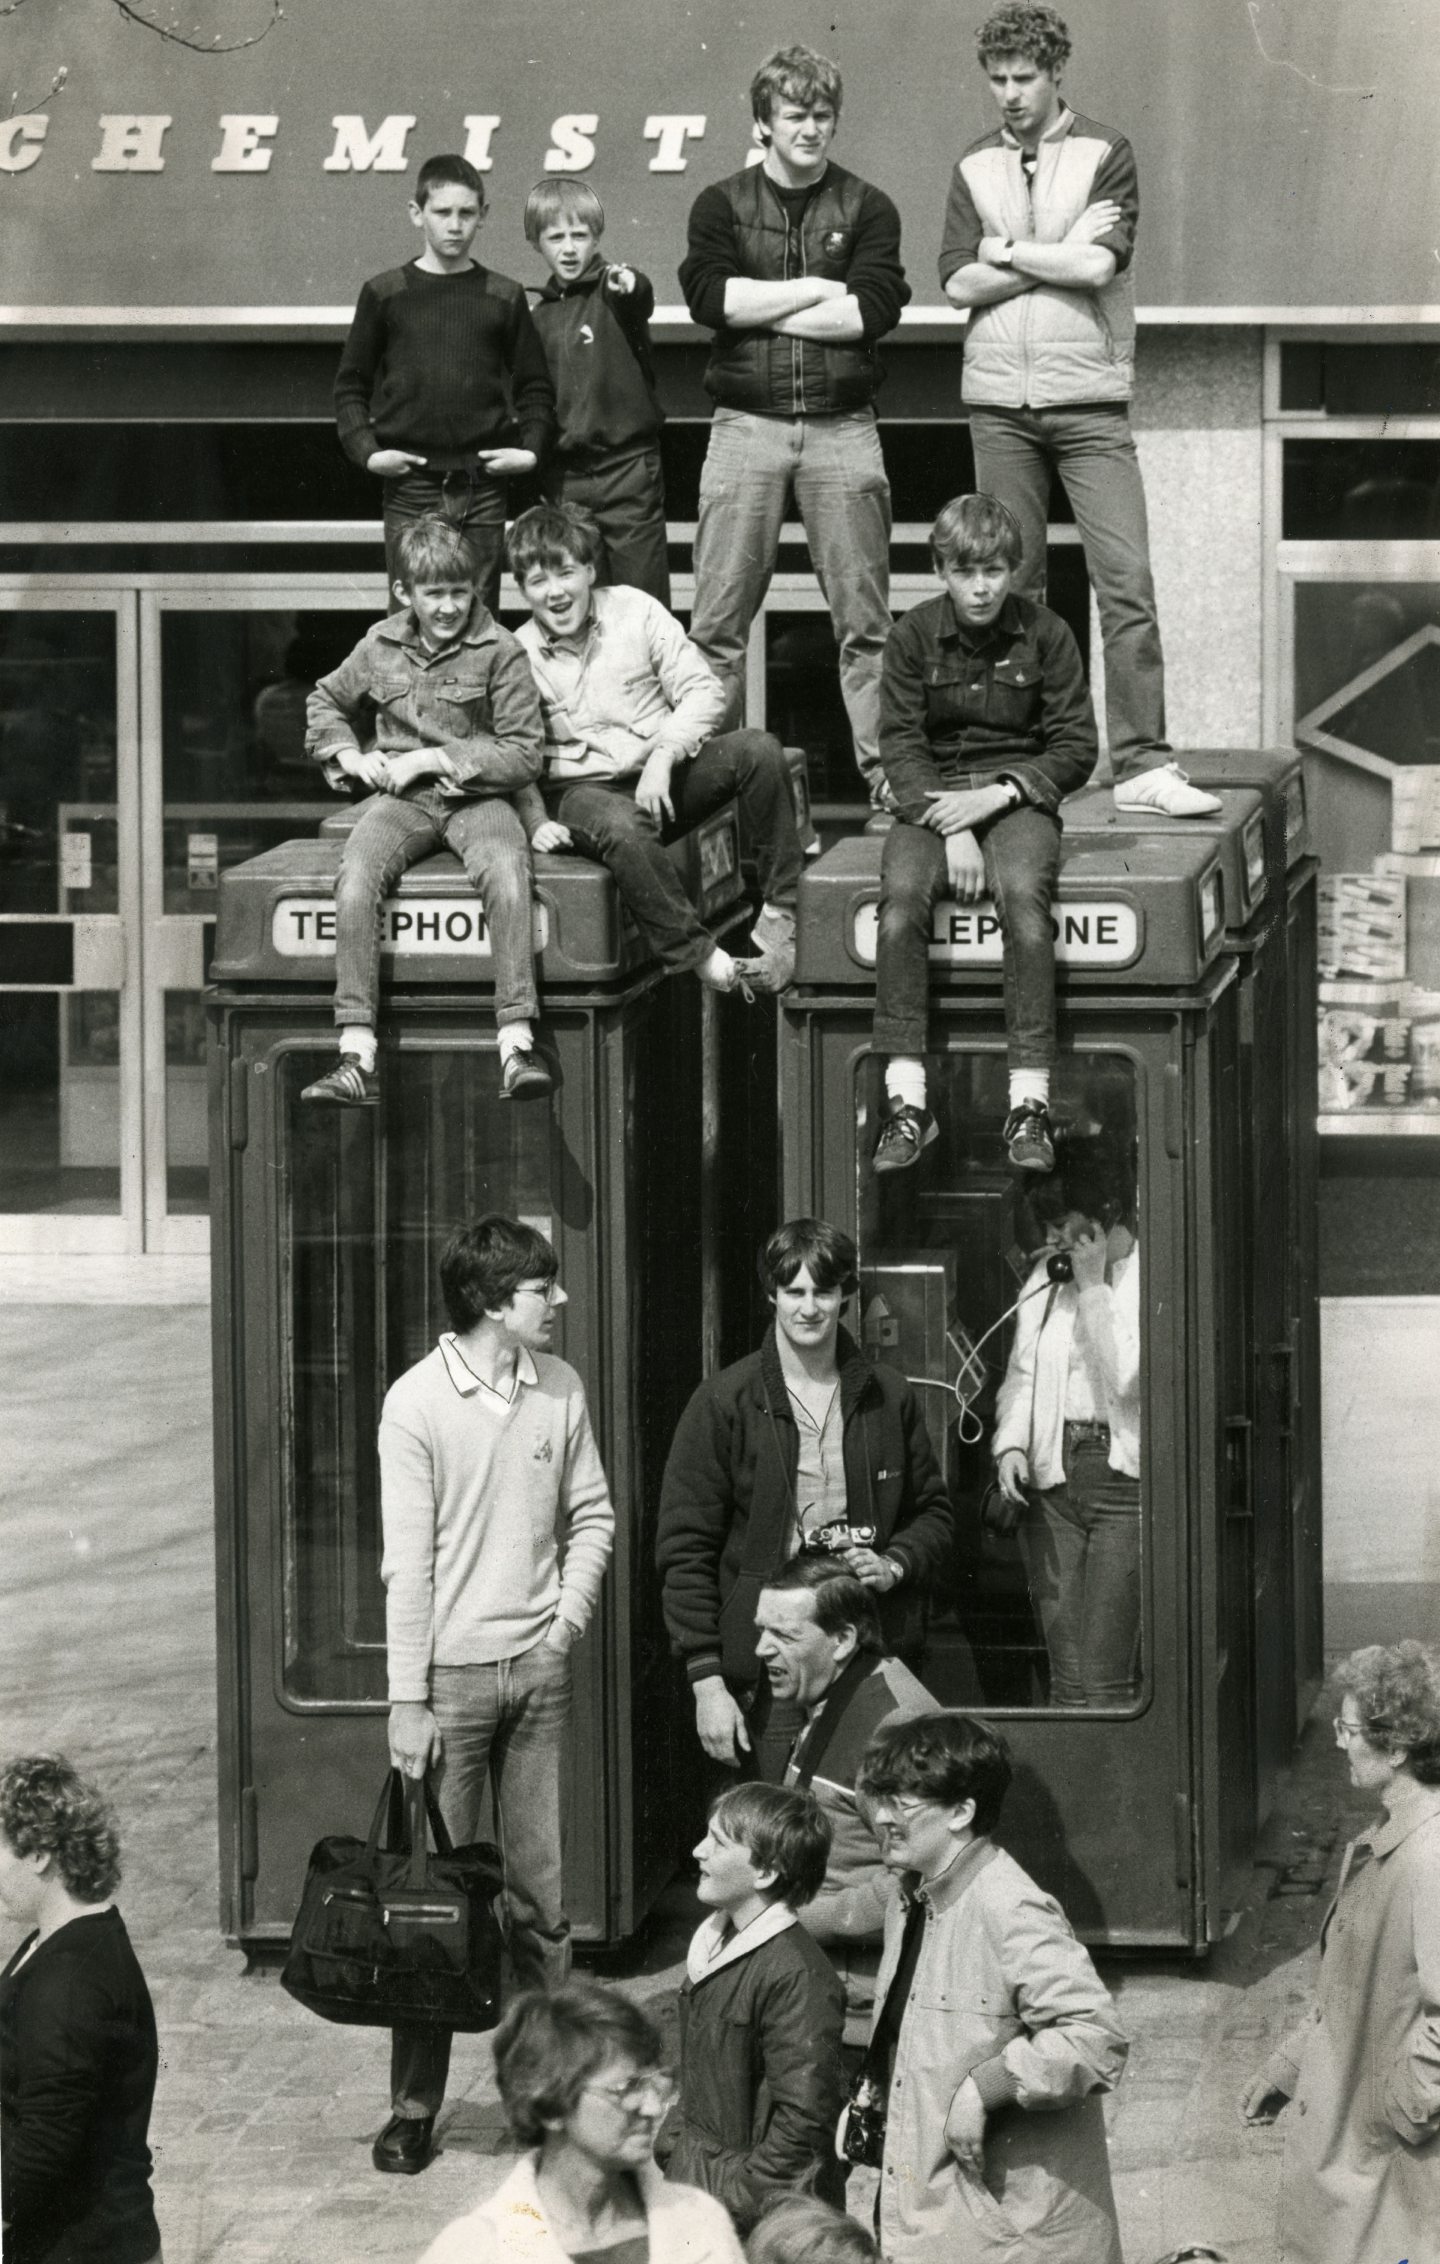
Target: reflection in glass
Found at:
x=57, y=762
x=233, y=692
x=803, y=706
x=60, y=1102
x=372, y=1198
x=1034, y=1416
x=187, y=1132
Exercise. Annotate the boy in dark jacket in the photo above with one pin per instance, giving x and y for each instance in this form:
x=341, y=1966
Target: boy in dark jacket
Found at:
x=593, y=319
x=761, y=2011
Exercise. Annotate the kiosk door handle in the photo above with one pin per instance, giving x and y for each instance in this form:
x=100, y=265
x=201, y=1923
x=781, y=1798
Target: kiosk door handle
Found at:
x=1283, y=1355
x=1238, y=1501
x=239, y=1103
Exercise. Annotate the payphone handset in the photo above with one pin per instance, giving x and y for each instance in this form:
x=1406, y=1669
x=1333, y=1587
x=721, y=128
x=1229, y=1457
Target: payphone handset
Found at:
x=884, y=1332
x=970, y=1375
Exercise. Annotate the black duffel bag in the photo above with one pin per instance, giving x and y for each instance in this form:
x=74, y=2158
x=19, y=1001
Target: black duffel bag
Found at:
x=395, y=1936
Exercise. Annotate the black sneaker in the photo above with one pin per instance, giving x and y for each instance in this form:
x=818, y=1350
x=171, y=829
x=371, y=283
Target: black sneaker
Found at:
x=1027, y=1137
x=347, y=1085
x=905, y=1134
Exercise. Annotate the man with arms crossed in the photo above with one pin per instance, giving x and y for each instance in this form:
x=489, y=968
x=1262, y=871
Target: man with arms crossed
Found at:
x=486, y=1455
x=794, y=264
x=1039, y=232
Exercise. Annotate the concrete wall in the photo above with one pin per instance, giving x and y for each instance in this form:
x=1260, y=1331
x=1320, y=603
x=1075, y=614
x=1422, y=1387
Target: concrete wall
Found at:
x=1197, y=420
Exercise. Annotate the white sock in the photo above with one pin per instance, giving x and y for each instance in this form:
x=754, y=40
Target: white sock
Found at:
x=357, y=1039
x=512, y=1036
x=1029, y=1085
x=718, y=970
x=905, y=1081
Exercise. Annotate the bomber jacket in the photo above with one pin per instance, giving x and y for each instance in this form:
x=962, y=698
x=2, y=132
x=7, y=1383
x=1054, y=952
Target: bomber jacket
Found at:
x=848, y=231
x=727, y=1501
x=760, y=2066
x=597, y=345
x=1008, y=701
x=1051, y=345
x=475, y=699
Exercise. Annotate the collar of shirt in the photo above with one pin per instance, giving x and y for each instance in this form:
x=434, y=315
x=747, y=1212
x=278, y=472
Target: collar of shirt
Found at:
x=1007, y=623
x=584, y=281
x=1057, y=132
x=947, y=1889
x=1421, y=1804
x=467, y=1383
x=573, y=648
x=403, y=629
x=713, y=1946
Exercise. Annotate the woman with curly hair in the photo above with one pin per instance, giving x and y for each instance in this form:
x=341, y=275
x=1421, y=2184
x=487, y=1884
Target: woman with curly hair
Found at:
x=77, y=2032
x=1361, y=2076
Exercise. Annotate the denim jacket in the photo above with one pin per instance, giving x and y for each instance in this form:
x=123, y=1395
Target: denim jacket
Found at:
x=1007, y=702
x=475, y=699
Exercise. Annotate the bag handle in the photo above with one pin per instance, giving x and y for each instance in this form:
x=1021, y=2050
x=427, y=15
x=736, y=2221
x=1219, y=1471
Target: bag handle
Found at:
x=401, y=1813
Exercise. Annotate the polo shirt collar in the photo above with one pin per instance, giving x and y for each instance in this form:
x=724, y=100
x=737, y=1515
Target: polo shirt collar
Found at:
x=710, y=1951
x=1007, y=623
x=464, y=1378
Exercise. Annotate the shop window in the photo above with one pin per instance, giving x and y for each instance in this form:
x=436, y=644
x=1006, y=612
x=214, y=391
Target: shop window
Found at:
x=1043, y=1603
x=1361, y=490
x=1338, y=379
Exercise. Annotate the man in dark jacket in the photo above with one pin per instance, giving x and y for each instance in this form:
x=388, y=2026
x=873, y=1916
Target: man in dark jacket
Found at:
x=794, y=264
x=802, y=1445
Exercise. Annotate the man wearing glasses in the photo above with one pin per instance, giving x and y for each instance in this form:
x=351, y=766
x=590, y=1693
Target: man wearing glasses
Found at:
x=498, y=1526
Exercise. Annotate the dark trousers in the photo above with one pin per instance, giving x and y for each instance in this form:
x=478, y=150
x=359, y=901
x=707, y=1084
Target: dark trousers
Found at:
x=604, y=823
x=1022, y=861
x=625, y=496
x=470, y=500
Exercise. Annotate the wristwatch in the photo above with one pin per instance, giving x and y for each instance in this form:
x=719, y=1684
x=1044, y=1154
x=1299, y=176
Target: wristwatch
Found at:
x=1005, y=257
x=1016, y=797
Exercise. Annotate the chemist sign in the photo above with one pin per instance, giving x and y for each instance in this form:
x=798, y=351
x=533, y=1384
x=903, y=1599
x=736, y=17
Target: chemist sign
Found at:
x=415, y=927
x=1103, y=932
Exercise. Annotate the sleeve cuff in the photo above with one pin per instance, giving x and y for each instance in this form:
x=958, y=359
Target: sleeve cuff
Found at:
x=700, y=1669
x=994, y=2082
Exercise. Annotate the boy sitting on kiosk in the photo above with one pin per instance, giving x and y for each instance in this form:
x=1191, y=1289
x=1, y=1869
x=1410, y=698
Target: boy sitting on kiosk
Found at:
x=445, y=701
x=631, y=710
x=985, y=726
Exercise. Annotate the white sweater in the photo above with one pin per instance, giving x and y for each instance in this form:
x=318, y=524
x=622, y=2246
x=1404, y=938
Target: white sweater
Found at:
x=1030, y=1405
x=478, y=1495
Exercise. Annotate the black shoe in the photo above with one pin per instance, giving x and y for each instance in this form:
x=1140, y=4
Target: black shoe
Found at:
x=347, y=1085
x=403, y=2148
x=524, y=1076
x=1027, y=1137
x=905, y=1134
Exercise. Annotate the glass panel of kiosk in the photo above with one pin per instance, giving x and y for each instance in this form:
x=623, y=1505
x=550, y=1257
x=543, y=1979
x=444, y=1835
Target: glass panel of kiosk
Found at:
x=366, y=1218
x=1030, y=1382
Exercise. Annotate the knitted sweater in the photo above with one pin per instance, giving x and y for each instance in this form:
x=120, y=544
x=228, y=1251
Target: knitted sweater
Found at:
x=475, y=1493
x=442, y=365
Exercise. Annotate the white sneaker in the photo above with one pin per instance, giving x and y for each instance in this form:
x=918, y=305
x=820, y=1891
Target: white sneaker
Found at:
x=1168, y=790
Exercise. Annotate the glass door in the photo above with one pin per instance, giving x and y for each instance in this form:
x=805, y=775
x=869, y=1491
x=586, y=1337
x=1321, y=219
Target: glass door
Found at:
x=70, y=1153
x=227, y=665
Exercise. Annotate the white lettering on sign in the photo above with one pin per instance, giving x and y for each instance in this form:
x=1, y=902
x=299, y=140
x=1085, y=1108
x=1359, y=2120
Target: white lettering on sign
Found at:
x=1095, y=934
x=478, y=133
x=242, y=143
x=669, y=135
x=130, y=144
x=20, y=142
x=357, y=151
x=571, y=148
x=446, y=927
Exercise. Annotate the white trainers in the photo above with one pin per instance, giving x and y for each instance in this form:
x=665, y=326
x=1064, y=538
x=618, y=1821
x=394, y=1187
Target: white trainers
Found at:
x=1168, y=790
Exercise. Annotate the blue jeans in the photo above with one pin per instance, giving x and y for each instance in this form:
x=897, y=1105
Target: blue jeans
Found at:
x=837, y=473
x=1081, y=1543
x=391, y=834
x=1021, y=849
x=470, y=499
x=1016, y=451
x=505, y=1723
x=605, y=824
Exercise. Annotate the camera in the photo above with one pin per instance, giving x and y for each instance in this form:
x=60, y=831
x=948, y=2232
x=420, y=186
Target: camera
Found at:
x=862, y=2134
x=833, y=1540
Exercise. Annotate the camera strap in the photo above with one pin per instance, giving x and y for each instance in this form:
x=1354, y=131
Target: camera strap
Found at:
x=875, y=2067
x=812, y=1743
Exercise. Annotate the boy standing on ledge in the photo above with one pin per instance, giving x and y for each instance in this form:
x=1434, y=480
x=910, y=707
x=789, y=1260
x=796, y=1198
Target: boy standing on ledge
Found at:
x=442, y=389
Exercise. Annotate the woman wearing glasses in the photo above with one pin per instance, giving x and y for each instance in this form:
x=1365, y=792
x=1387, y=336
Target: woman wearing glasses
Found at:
x=580, y=2077
x=1360, y=2077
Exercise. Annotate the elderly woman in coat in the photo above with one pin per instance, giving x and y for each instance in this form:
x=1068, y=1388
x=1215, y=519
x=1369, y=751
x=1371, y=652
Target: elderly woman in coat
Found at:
x=995, y=2035
x=1359, y=2081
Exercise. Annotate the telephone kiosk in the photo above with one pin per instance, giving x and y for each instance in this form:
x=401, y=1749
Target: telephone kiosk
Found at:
x=1118, y=1645
x=328, y=1225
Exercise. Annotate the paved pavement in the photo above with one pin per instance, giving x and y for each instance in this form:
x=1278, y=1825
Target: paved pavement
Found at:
x=264, y=2116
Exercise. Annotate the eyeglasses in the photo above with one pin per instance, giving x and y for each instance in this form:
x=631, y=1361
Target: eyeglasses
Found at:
x=654, y=2094
x=546, y=1291
x=902, y=1810
x=1347, y=1732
